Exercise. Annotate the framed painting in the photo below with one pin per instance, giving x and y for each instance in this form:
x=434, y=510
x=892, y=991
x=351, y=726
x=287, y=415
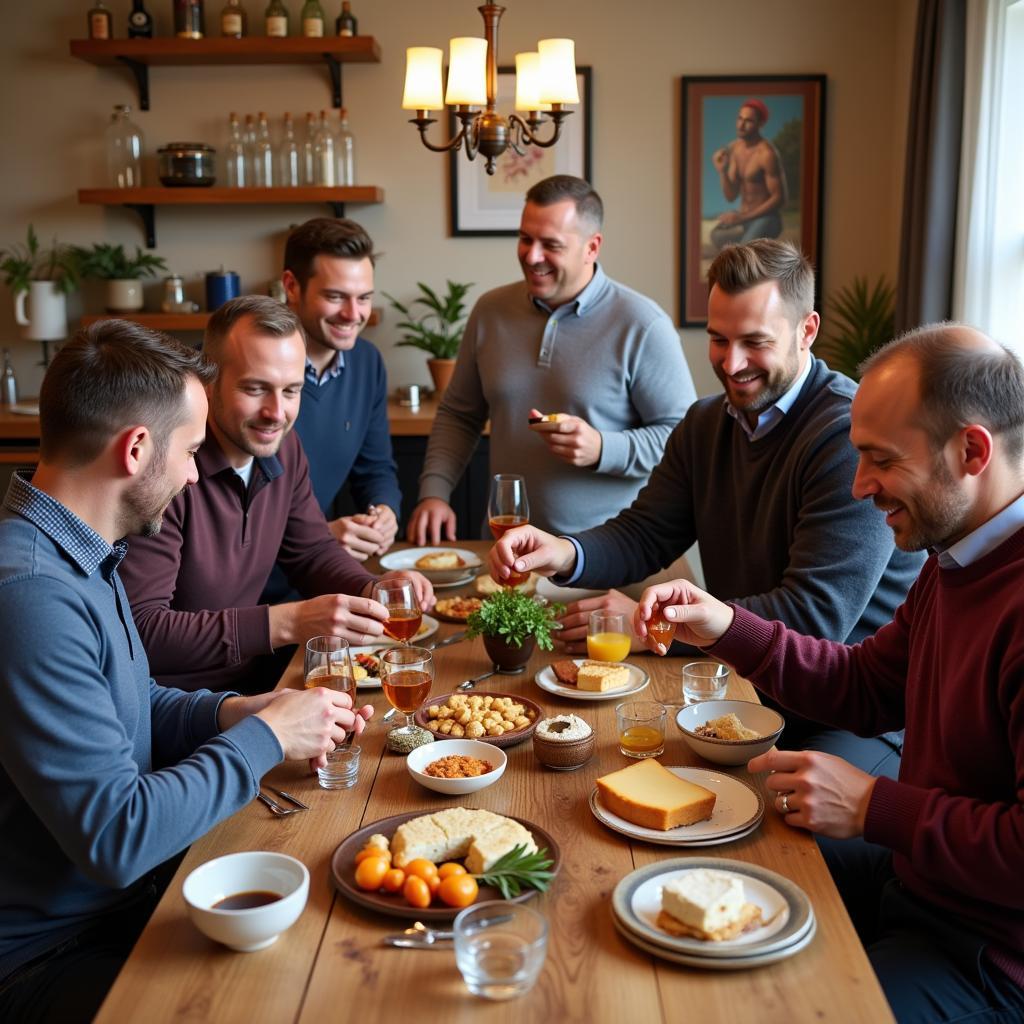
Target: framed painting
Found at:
x=491, y=204
x=752, y=166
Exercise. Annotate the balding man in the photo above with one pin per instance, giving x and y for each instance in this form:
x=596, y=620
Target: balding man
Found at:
x=931, y=866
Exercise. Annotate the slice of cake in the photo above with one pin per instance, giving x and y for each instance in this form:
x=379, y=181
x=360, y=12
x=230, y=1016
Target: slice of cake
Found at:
x=708, y=905
x=648, y=794
x=482, y=837
x=599, y=677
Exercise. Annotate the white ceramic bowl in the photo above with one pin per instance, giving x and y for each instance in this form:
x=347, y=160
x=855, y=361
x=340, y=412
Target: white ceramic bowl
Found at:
x=254, y=871
x=766, y=721
x=430, y=752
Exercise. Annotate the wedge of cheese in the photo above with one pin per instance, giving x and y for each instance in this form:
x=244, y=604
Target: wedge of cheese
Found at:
x=648, y=794
x=704, y=899
x=600, y=677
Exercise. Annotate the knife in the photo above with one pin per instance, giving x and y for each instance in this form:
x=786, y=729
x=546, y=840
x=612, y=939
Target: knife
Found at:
x=453, y=639
x=412, y=942
x=287, y=796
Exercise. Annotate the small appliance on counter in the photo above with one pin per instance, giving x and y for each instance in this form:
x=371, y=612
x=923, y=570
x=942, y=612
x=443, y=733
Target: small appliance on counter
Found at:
x=221, y=286
x=186, y=164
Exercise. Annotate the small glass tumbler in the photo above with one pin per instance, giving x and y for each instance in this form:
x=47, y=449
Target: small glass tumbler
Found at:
x=341, y=770
x=641, y=726
x=705, y=680
x=500, y=948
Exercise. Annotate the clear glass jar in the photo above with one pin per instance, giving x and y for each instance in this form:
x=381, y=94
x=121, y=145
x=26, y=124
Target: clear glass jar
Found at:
x=124, y=149
x=345, y=152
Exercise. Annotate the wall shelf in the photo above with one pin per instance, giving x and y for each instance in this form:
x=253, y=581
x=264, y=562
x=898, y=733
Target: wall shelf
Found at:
x=139, y=55
x=173, y=321
x=144, y=200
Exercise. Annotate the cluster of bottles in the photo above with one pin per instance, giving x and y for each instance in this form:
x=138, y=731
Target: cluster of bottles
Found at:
x=190, y=22
x=325, y=155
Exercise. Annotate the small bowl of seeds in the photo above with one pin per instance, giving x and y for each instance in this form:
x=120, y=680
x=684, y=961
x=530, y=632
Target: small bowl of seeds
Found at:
x=564, y=742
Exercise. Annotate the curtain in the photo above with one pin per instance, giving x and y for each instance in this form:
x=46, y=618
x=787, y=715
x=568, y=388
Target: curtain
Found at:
x=925, y=289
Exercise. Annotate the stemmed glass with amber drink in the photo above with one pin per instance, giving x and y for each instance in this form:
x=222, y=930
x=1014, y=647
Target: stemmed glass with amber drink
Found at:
x=329, y=664
x=406, y=675
x=404, y=613
x=508, y=508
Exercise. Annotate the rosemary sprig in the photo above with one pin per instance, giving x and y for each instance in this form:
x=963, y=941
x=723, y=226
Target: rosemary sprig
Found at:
x=516, y=869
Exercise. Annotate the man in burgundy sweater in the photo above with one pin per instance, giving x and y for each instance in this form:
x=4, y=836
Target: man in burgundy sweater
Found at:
x=931, y=869
x=195, y=587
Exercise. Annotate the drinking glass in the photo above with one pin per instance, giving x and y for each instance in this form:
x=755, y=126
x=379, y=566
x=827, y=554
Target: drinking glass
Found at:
x=500, y=948
x=704, y=680
x=328, y=663
x=406, y=675
x=659, y=628
x=608, y=637
x=641, y=726
x=507, y=508
x=404, y=614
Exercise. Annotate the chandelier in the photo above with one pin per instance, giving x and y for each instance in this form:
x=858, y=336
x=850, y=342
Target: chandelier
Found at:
x=545, y=80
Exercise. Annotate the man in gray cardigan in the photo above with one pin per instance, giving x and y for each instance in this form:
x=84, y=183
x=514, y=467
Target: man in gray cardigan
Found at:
x=761, y=478
x=566, y=340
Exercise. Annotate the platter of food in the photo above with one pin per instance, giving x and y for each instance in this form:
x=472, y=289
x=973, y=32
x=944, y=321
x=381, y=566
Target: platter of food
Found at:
x=562, y=679
x=479, y=840
x=503, y=719
x=456, y=609
x=444, y=567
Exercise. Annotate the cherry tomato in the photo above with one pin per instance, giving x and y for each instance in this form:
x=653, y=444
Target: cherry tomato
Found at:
x=370, y=873
x=451, y=868
x=372, y=851
x=458, y=890
x=422, y=868
x=393, y=880
x=433, y=884
x=416, y=892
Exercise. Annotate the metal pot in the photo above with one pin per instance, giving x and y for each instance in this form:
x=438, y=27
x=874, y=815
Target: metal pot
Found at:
x=186, y=163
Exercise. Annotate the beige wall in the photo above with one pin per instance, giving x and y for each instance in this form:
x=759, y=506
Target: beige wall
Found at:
x=55, y=109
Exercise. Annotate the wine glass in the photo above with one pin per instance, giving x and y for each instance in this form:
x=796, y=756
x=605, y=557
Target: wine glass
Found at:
x=404, y=613
x=329, y=664
x=406, y=675
x=507, y=508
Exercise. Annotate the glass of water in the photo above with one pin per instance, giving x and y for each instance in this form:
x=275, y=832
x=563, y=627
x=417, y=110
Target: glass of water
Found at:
x=500, y=948
x=705, y=680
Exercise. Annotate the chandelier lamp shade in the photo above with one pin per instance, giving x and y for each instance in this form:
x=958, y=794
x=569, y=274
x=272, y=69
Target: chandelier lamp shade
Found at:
x=545, y=83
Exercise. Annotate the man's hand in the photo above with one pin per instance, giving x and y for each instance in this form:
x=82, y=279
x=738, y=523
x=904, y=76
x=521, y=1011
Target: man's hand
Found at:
x=371, y=533
x=720, y=158
x=527, y=549
x=423, y=588
x=233, y=709
x=700, y=618
x=823, y=793
x=570, y=439
x=730, y=217
x=574, y=622
x=428, y=519
x=308, y=723
x=358, y=619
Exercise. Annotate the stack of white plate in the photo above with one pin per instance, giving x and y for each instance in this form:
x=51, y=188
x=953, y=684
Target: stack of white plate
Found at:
x=788, y=923
x=739, y=809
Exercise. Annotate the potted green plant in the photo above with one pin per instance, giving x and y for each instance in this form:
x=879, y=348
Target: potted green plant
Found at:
x=438, y=331
x=512, y=624
x=40, y=279
x=859, y=319
x=122, y=272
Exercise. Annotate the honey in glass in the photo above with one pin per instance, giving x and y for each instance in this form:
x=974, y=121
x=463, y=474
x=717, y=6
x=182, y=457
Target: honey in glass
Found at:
x=659, y=629
x=641, y=740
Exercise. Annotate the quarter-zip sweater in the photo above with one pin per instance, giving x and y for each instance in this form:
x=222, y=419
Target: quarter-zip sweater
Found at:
x=195, y=587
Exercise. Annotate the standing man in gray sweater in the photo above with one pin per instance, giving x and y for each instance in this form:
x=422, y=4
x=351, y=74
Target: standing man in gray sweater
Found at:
x=566, y=340
x=761, y=478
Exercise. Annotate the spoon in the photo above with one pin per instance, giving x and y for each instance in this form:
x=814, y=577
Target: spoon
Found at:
x=275, y=808
x=419, y=936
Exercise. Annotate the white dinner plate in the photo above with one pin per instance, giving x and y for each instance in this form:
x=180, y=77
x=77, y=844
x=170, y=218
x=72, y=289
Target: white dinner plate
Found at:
x=428, y=627
x=738, y=808
x=566, y=595
x=785, y=908
x=406, y=559
x=547, y=680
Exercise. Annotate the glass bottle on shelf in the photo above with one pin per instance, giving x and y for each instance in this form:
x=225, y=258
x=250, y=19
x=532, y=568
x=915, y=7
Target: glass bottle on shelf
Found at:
x=291, y=167
x=124, y=149
x=276, y=19
x=8, y=383
x=312, y=19
x=249, y=142
x=140, y=22
x=101, y=24
x=323, y=152
x=308, y=156
x=234, y=23
x=188, y=19
x=237, y=170
x=345, y=24
x=345, y=152
x=263, y=152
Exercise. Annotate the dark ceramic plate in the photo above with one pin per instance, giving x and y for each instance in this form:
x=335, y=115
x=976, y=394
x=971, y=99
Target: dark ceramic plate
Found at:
x=343, y=870
x=508, y=739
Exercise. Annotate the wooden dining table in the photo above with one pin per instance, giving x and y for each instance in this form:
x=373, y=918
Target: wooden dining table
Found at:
x=331, y=964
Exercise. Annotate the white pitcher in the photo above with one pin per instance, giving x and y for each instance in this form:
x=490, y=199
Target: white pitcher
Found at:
x=47, y=318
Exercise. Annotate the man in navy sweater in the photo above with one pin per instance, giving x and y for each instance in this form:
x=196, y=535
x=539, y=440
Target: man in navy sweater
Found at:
x=343, y=422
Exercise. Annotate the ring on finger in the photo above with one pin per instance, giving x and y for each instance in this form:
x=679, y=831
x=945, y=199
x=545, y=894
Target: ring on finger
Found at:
x=785, y=803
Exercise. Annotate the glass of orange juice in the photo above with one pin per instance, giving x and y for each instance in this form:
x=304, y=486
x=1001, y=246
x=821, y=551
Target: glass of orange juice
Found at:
x=608, y=637
x=641, y=728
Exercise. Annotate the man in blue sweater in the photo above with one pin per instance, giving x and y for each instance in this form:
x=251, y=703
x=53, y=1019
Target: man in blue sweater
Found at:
x=105, y=775
x=343, y=420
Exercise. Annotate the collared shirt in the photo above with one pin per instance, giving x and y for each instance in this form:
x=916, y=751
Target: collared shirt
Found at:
x=331, y=372
x=984, y=539
x=578, y=306
x=772, y=417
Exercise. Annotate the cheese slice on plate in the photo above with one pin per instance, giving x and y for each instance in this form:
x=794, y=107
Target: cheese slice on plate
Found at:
x=649, y=795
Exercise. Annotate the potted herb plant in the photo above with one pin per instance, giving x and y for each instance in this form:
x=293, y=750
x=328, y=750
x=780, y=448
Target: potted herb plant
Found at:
x=122, y=272
x=438, y=331
x=859, y=319
x=40, y=279
x=512, y=624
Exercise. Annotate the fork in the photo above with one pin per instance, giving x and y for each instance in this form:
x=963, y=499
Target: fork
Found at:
x=275, y=808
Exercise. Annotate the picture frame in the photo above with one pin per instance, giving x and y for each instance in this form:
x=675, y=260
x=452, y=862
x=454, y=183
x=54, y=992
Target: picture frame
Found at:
x=482, y=204
x=715, y=189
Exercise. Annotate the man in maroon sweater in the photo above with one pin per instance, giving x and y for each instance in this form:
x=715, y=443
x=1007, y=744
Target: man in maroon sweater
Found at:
x=933, y=874
x=195, y=587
